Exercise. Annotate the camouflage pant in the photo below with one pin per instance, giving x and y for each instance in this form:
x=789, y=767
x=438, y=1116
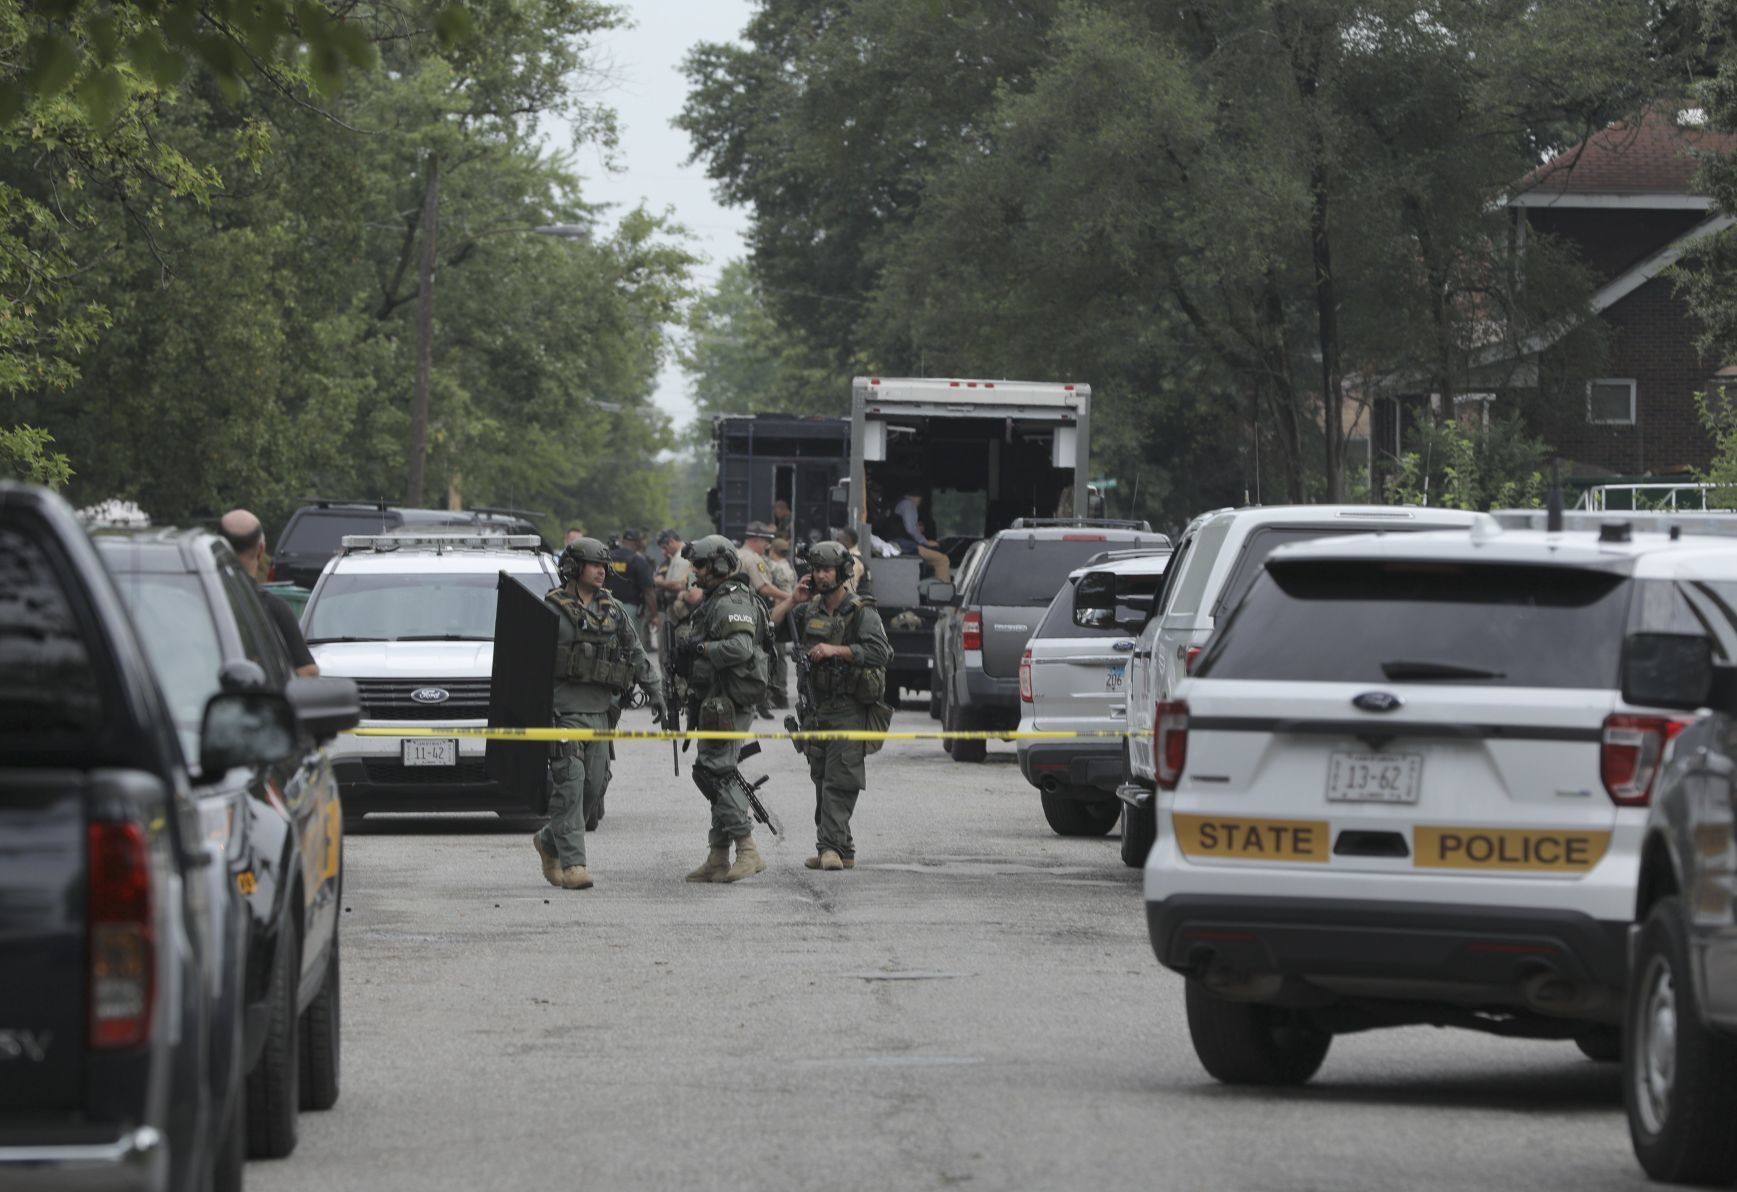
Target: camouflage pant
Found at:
x=839, y=775
x=581, y=773
x=731, y=817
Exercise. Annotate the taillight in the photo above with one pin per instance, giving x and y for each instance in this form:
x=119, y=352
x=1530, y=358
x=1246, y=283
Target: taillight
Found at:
x=971, y=632
x=1025, y=677
x=1170, y=742
x=1629, y=757
x=271, y=574
x=122, y=936
x=1188, y=659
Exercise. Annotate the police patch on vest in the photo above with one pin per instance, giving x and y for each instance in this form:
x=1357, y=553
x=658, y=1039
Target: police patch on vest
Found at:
x=743, y=617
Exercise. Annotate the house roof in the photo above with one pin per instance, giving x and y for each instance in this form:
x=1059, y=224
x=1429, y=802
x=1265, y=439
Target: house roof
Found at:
x=1646, y=161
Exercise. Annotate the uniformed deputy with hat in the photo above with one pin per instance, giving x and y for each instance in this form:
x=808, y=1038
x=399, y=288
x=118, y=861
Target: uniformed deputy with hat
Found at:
x=847, y=653
x=598, y=657
x=721, y=658
x=757, y=572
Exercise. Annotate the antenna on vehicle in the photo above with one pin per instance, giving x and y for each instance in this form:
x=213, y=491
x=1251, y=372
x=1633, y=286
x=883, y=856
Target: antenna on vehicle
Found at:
x=1553, y=503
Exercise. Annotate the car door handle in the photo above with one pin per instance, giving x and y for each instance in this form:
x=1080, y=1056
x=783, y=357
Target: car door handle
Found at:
x=1142, y=653
x=1118, y=709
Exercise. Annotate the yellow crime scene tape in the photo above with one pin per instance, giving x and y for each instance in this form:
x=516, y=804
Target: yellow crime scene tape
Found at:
x=632, y=734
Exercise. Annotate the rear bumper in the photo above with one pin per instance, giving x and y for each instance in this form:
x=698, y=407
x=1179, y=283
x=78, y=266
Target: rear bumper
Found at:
x=1316, y=951
x=1089, y=767
x=986, y=693
x=137, y=1161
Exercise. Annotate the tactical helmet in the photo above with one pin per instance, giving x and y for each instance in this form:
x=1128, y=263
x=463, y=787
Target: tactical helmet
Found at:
x=578, y=552
x=713, y=554
x=832, y=554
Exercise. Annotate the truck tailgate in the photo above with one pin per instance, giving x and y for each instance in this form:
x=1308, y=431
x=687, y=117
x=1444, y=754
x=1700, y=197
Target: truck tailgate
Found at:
x=42, y=939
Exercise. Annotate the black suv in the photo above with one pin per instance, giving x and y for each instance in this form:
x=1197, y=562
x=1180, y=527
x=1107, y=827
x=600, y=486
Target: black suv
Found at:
x=1000, y=597
x=205, y=631
x=1680, y=1032
x=120, y=1006
x=314, y=532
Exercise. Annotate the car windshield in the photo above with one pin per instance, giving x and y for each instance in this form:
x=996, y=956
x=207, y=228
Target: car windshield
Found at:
x=1029, y=571
x=1059, y=620
x=427, y=606
x=322, y=532
x=1370, y=622
x=180, y=639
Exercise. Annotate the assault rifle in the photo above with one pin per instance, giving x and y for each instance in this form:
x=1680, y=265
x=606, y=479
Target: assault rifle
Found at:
x=672, y=698
x=804, y=700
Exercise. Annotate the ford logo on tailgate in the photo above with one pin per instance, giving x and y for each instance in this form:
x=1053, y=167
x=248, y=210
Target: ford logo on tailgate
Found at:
x=1377, y=701
x=431, y=695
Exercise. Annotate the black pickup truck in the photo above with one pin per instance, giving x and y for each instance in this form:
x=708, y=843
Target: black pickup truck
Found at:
x=114, y=1069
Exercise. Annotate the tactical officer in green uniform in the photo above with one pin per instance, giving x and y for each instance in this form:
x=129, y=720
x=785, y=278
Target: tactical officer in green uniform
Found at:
x=721, y=658
x=843, y=669
x=597, y=659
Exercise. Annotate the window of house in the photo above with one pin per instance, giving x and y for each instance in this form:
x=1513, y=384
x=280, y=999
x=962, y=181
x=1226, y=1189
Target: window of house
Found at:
x=1610, y=401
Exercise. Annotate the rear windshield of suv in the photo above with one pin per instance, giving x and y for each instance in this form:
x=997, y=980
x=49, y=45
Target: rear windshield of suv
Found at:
x=1059, y=620
x=1264, y=540
x=1417, y=622
x=1027, y=571
x=321, y=531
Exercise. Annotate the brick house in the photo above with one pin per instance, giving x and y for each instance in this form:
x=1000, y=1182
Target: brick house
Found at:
x=1625, y=198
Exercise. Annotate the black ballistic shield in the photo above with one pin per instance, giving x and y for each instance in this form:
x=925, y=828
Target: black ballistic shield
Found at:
x=522, y=691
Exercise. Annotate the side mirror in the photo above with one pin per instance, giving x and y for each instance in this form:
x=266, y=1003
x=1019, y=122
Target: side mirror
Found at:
x=936, y=592
x=324, y=707
x=245, y=728
x=1668, y=670
x=242, y=674
x=1132, y=612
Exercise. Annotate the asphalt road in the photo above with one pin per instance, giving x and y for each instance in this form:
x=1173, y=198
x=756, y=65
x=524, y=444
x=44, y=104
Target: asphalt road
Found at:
x=975, y=1004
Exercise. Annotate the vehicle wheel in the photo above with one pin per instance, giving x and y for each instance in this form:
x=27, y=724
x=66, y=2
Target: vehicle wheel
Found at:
x=967, y=751
x=272, y=1097
x=1069, y=816
x=934, y=703
x=229, y=1166
x=1139, y=832
x=1679, y=1078
x=947, y=723
x=322, y=1040
x=1603, y=1044
x=1245, y=1043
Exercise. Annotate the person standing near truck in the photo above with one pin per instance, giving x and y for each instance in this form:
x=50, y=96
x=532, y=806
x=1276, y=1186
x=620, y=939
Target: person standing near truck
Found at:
x=597, y=658
x=845, y=653
x=757, y=574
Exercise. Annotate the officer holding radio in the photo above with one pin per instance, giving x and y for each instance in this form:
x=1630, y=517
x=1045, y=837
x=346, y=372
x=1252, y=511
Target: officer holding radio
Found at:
x=843, y=654
x=720, y=658
x=598, y=658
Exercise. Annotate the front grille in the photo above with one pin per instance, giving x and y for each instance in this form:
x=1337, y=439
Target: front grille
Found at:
x=385, y=771
x=389, y=699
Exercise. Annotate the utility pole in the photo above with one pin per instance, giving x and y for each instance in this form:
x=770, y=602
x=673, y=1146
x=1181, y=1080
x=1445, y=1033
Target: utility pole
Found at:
x=424, y=334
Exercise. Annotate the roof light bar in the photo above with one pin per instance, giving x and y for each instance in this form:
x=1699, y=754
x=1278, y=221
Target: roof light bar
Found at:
x=390, y=542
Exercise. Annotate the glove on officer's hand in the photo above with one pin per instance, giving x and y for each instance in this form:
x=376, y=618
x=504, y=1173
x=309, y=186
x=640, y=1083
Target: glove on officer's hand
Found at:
x=660, y=715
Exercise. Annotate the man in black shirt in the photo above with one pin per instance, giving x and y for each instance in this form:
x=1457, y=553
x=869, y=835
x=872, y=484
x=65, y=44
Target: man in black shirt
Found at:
x=246, y=537
x=631, y=580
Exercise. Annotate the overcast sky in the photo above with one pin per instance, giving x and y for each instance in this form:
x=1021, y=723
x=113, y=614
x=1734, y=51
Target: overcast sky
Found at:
x=645, y=86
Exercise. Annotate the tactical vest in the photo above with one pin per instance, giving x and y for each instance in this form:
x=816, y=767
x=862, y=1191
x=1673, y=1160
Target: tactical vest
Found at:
x=595, y=655
x=745, y=682
x=834, y=677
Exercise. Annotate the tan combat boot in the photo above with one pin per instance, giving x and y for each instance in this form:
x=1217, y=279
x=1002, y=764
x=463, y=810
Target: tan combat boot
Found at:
x=551, y=863
x=849, y=862
x=812, y=862
x=575, y=877
x=716, y=864
x=748, y=862
x=831, y=860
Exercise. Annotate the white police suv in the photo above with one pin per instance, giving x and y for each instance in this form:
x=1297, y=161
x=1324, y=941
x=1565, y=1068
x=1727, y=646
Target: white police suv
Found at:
x=1403, y=785
x=410, y=617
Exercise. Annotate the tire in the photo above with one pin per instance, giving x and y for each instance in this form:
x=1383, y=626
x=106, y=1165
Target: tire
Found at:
x=946, y=727
x=272, y=1096
x=228, y=1166
x=1139, y=833
x=967, y=751
x=1603, y=1045
x=1245, y=1043
x=1069, y=816
x=322, y=1040
x=934, y=703
x=1679, y=1079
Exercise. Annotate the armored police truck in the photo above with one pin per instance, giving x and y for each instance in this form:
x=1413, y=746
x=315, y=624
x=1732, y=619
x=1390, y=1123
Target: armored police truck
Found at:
x=764, y=458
